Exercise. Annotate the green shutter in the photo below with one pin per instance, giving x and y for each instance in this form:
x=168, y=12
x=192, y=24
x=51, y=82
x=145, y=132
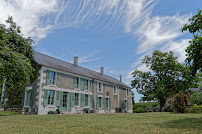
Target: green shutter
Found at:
x=58, y=79
x=45, y=99
x=90, y=86
x=47, y=77
x=109, y=104
x=23, y=98
x=91, y=101
x=31, y=97
x=103, y=103
x=74, y=82
x=127, y=105
x=82, y=100
x=81, y=79
x=71, y=101
x=58, y=98
x=84, y=84
x=97, y=103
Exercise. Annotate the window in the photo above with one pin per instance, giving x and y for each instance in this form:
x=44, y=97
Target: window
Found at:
x=76, y=99
x=107, y=103
x=99, y=102
x=86, y=100
x=28, y=98
x=127, y=92
x=75, y=82
x=87, y=88
x=99, y=86
x=52, y=78
x=50, y=97
x=115, y=90
x=64, y=104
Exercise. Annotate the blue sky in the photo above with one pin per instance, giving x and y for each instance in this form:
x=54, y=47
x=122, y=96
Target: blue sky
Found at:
x=115, y=34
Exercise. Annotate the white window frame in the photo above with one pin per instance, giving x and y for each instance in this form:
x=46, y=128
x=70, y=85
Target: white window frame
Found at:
x=54, y=94
x=54, y=79
x=113, y=90
x=25, y=99
x=78, y=99
x=127, y=92
x=101, y=84
x=88, y=100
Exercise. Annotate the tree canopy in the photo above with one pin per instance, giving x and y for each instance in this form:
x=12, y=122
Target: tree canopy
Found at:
x=16, y=60
x=194, y=50
x=167, y=77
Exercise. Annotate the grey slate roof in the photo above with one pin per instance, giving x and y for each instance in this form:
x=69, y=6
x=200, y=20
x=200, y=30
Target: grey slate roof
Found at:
x=48, y=61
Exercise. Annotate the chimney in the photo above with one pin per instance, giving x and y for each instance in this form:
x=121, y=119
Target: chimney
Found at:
x=102, y=70
x=120, y=78
x=75, y=60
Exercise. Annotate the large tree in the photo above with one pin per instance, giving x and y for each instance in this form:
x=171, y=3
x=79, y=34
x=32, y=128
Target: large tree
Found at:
x=194, y=50
x=167, y=77
x=16, y=60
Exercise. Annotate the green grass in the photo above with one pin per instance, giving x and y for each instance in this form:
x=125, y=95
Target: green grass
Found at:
x=140, y=123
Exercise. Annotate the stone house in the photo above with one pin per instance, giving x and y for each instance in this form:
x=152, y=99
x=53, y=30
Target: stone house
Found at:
x=71, y=88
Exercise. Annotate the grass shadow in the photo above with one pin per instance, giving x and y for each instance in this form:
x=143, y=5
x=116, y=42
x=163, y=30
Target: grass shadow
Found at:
x=188, y=123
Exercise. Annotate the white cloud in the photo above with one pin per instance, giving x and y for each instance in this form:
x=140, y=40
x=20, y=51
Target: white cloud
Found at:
x=31, y=15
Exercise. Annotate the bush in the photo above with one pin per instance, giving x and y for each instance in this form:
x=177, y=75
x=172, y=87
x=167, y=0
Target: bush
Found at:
x=180, y=102
x=196, y=109
x=196, y=98
x=145, y=105
x=187, y=110
x=51, y=112
x=168, y=104
x=139, y=110
x=200, y=85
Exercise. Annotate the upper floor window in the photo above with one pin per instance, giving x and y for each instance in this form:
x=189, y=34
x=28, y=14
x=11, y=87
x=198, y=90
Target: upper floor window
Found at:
x=115, y=90
x=75, y=82
x=52, y=78
x=99, y=86
x=127, y=92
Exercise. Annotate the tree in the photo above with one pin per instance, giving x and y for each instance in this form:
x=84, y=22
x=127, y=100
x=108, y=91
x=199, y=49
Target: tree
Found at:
x=167, y=77
x=194, y=50
x=16, y=61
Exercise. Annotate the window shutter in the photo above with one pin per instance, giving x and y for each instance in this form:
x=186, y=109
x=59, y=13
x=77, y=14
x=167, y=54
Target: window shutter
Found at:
x=90, y=85
x=47, y=77
x=23, y=98
x=97, y=86
x=109, y=104
x=127, y=105
x=97, y=103
x=103, y=103
x=81, y=81
x=82, y=100
x=91, y=101
x=71, y=101
x=58, y=98
x=31, y=97
x=102, y=87
x=45, y=99
x=58, y=79
x=74, y=82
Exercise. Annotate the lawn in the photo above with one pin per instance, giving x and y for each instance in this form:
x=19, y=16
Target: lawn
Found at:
x=142, y=123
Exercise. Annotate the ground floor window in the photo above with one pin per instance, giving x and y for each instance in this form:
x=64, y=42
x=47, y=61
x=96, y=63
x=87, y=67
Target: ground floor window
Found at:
x=76, y=103
x=64, y=104
x=107, y=103
x=50, y=97
x=27, y=97
x=99, y=102
x=86, y=100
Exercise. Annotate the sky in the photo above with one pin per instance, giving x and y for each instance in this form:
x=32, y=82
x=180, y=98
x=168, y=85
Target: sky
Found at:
x=115, y=34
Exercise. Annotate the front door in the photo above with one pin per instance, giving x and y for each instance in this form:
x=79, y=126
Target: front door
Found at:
x=63, y=106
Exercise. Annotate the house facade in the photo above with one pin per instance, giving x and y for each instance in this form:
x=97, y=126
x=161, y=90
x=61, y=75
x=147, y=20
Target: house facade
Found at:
x=70, y=88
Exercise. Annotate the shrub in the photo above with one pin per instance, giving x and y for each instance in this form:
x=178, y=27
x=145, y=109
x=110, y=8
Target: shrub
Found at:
x=195, y=109
x=51, y=112
x=168, y=104
x=200, y=85
x=139, y=110
x=196, y=98
x=187, y=110
x=180, y=102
